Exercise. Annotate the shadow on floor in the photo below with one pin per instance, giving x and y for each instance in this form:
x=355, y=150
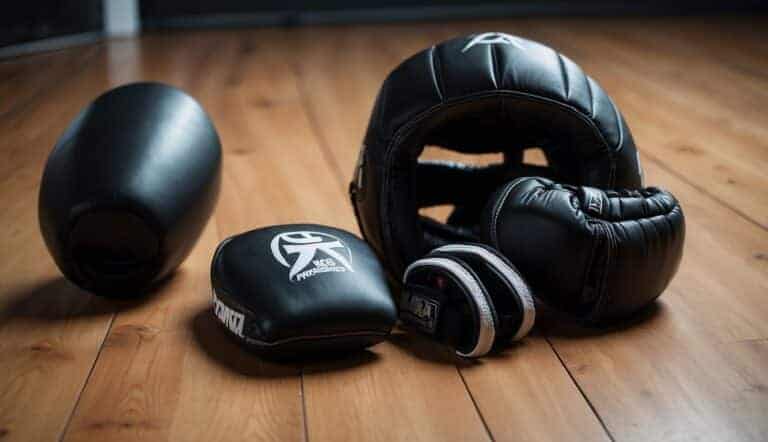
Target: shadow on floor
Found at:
x=57, y=299
x=551, y=324
x=427, y=349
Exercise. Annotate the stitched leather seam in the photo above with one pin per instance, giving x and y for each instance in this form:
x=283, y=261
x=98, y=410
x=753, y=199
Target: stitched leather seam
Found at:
x=600, y=284
x=564, y=75
x=620, y=143
x=621, y=207
x=666, y=240
x=591, y=262
x=589, y=217
x=217, y=257
x=644, y=205
x=591, y=97
x=643, y=233
x=666, y=211
x=494, y=66
x=612, y=247
x=672, y=230
x=497, y=211
x=434, y=66
x=253, y=340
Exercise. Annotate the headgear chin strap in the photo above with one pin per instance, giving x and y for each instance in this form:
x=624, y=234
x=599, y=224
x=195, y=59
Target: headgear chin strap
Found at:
x=483, y=93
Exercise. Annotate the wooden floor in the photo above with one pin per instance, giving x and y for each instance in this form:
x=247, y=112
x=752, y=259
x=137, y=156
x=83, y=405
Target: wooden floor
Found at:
x=291, y=106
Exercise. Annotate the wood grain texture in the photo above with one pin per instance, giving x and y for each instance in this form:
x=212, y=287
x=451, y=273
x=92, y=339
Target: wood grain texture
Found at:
x=50, y=331
x=291, y=107
x=524, y=395
x=24, y=79
x=412, y=391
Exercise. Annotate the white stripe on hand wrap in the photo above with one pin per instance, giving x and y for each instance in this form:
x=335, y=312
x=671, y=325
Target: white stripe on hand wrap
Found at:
x=487, y=327
x=524, y=293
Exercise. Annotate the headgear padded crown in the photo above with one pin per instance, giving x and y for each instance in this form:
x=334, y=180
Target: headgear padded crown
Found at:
x=483, y=93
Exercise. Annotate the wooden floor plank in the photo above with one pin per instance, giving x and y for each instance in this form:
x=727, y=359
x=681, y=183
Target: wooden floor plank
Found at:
x=50, y=331
x=50, y=334
x=400, y=397
x=24, y=79
x=737, y=37
x=525, y=395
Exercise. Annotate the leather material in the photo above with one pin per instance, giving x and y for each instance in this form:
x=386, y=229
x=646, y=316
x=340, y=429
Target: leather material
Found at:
x=129, y=187
x=468, y=296
x=301, y=288
x=445, y=298
x=595, y=254
x=479, y=94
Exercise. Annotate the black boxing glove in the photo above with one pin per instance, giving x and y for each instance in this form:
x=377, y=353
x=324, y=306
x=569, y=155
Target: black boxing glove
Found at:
x=597, y=255
x=129, y=187
x=294, y=290
x=467, y=296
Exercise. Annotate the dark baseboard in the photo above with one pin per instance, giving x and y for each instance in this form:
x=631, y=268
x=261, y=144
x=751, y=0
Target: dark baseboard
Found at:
x=49, y=44
x=453, y=12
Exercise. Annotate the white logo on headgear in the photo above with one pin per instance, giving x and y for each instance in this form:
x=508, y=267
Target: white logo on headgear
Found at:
x=493, y=37
x=326, y=253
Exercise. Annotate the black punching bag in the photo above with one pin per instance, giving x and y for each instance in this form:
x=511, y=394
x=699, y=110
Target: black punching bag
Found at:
x=129, y=187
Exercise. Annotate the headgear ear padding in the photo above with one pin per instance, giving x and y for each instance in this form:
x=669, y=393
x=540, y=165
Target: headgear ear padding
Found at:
x=467, y=296
x=482, y=93
x=591, y=253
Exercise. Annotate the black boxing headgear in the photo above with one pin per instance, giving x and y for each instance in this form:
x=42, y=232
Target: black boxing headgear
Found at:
x=483, y=93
